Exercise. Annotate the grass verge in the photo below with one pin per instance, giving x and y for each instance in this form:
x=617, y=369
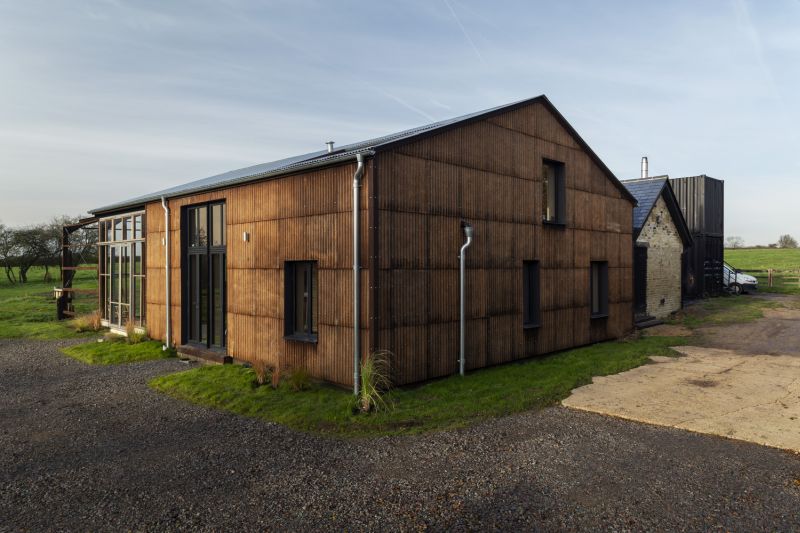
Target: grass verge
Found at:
x=724, y=310
x=115, y=352
x=447, y=403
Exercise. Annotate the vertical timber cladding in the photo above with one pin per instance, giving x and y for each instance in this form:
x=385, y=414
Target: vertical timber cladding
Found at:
x=702, y=201
x=489, y=173
x=302, y=217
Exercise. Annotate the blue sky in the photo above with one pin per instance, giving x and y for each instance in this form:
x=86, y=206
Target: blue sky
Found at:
x=104, y=100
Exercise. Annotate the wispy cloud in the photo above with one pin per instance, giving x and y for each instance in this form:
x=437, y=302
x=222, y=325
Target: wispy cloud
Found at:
x=464, y=31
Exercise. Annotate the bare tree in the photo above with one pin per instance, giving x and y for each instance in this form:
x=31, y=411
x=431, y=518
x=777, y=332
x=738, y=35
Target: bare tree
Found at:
x=8, y=249
x=31, y=249
x=787, y=241
x=734, y=241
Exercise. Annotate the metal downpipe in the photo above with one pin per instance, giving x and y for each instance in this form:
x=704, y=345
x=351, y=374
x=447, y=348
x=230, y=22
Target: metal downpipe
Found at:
x=168, y=299
x=357, y=274
x=462, y=296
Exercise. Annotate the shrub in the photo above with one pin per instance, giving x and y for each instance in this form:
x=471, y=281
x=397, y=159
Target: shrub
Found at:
x=299, y=379
x=261, y=370
x=275, y=378
x=84, y=323
x=375, y=380
x=134, y=336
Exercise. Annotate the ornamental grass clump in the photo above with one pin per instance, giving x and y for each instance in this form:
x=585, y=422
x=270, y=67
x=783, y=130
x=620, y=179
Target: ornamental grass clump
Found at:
x=298, y=379
x=375, y=381
x=262, y=371
x=84, y=323
x=134, y=336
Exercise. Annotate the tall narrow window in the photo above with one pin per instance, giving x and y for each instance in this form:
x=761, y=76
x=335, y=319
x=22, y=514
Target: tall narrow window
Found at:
x=204, y=275
x=553, y=192
x=530, y=289
x=301, y=300
x=599, y=289
x=122, y=270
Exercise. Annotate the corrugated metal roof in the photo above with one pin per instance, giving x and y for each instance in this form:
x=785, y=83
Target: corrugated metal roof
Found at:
x=646, y=191
x=323, y=158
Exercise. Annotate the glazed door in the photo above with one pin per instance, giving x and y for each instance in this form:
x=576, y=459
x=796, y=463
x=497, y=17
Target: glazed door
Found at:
x=205, y=280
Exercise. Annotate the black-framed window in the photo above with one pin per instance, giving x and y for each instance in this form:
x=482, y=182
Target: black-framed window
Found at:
x=598, y=282
x=300, y=300
x=205, y=275
x=531, y=316
x=554, y=191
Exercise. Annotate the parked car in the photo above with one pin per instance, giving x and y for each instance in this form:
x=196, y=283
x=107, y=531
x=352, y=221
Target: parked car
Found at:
x=737, y=282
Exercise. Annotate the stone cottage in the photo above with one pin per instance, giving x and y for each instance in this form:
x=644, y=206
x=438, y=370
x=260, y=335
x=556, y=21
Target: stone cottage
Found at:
x=660, y=237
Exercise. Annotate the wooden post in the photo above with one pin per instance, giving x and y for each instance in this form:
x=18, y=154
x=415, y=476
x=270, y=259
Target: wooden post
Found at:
x=769, y=277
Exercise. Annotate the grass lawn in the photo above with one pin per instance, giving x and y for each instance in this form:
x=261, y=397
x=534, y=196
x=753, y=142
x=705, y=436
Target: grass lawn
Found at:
x=118, y=351
x=725, y=310
x=446, y=403
x=764, y=258
x=29, y=310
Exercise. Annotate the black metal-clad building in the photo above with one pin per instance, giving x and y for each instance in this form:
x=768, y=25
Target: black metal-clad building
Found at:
x=702, y=200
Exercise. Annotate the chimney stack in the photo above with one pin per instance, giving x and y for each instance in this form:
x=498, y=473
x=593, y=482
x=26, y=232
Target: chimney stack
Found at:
x=329, y=144
x=644, y=167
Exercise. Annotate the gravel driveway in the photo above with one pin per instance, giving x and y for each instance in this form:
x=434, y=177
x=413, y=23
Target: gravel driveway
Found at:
x=93, y=448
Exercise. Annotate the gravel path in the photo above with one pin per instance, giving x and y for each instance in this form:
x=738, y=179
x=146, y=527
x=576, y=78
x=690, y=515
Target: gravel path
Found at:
x=93, y=448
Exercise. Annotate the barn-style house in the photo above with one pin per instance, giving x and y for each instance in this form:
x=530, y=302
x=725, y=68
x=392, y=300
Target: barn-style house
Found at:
x=258, y=263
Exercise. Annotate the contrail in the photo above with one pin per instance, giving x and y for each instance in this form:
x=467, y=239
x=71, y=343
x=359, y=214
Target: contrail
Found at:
x=404, y=103
x=464, y=31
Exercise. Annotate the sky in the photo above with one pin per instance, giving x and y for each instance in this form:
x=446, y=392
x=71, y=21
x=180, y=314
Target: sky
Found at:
x=103, y=100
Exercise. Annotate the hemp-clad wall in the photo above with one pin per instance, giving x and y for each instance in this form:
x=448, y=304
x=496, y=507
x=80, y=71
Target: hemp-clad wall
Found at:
x=485, y=169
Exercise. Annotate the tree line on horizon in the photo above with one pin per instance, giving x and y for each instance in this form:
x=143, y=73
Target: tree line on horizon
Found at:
x=39, y=245
x=784, y=241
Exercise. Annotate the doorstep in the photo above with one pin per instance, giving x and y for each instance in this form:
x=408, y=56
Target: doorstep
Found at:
x=204, y=355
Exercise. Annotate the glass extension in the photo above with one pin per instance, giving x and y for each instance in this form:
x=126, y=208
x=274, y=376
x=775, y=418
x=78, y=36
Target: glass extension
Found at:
x=121, y=253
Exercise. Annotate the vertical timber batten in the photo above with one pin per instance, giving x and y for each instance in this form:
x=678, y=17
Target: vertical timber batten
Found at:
x=373, y=248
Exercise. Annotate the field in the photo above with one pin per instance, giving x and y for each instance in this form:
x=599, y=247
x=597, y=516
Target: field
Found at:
x=29, y=310
x=757, y=261
x=764, y=258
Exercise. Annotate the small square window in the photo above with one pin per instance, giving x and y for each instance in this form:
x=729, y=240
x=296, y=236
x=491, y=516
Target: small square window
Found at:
x=300, y=299
x=599, y=289
x=530, y=292
x=553, y=192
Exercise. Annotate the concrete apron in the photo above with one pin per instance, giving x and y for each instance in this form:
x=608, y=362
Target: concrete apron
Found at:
x=754, y=398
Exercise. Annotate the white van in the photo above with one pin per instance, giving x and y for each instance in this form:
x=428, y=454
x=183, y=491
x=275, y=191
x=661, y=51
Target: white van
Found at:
x=737, y=282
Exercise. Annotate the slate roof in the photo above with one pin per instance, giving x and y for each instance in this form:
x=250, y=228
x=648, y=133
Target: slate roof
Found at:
x=646, y=191
x=344, y=153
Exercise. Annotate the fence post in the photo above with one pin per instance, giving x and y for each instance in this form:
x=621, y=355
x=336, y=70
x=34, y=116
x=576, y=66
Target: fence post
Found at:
x=769, y=277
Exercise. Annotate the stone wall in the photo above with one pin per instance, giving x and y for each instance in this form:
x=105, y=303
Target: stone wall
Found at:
x=663, y=261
